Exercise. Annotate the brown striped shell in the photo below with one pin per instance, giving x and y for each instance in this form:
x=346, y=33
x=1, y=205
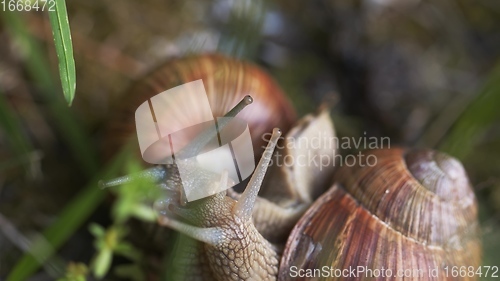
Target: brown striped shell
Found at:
x=412, y=210
x=226, y=82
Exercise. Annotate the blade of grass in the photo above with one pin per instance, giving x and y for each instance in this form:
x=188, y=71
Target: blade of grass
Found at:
x=64, y=49
x=72, y=133
x=53, y=266
x=476, y=119
x=72, y=217
x=38, y=68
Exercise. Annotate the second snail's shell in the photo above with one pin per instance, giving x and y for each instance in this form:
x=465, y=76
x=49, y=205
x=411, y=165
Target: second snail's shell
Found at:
x=226, y=82
x=413, y=210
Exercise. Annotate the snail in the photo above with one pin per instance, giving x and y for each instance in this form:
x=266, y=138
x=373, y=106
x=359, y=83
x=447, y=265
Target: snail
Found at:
x=411, y=210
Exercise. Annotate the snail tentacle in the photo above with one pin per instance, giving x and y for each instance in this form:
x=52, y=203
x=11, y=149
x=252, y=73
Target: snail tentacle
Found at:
x=211, y=236
x=246, y=202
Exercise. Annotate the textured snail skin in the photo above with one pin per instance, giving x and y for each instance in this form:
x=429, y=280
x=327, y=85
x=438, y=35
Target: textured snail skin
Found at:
x=414, y=210
x=226, y=82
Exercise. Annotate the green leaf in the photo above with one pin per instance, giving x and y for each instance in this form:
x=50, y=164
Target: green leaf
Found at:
x=75, y=272
x=127, y=250
x=143, y=212
x=37, y=65
x=64, y=49
x=97, y=230
x=131, y=197
x=102, y=263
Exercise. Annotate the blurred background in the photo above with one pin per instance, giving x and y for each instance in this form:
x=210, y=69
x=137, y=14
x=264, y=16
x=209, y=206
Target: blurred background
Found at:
x=424, y=73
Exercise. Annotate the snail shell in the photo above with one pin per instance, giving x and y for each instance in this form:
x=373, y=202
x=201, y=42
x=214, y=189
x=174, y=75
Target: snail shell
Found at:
x=413, y=210
x=226, y=81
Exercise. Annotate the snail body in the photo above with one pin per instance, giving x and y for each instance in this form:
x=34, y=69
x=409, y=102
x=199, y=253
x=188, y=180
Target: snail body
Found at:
x=414, y=209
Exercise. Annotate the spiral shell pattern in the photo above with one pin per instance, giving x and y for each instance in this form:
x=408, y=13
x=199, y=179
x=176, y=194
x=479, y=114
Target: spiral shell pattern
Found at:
x=413, y=210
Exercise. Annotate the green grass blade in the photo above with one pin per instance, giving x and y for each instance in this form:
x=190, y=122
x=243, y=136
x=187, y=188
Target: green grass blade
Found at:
x=73, y=134
x=64, y=49
x=71, y=218
x=476, y=119
x=64, y=119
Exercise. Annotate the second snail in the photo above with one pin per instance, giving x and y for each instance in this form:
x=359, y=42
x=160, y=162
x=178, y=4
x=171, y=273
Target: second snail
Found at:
x=410, y=214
